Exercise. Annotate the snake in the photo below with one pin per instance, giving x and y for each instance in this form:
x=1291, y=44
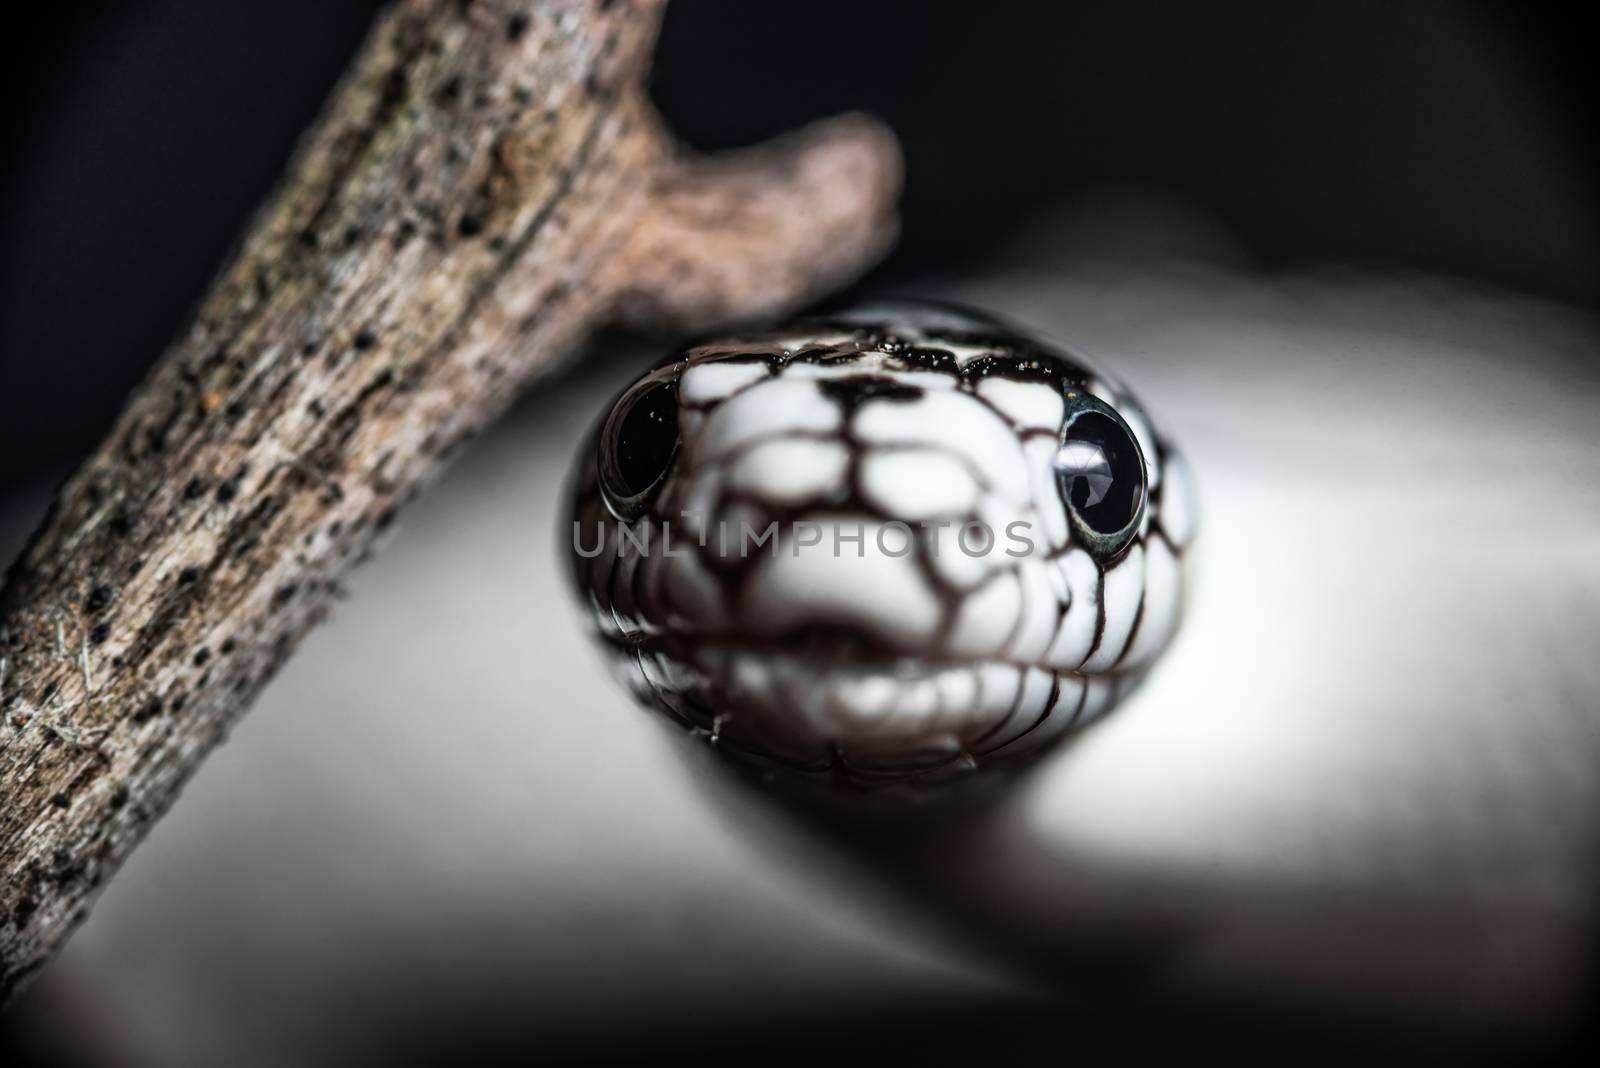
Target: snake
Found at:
x=885, y=548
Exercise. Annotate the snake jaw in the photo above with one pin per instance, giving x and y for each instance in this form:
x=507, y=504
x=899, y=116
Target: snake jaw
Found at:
x=799, y=579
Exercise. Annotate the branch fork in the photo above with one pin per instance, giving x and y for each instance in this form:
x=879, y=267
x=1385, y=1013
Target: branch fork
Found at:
x=486, y=187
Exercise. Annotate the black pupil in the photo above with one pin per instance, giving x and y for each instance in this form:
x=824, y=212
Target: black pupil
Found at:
x=1100, y=472
x=644, y=438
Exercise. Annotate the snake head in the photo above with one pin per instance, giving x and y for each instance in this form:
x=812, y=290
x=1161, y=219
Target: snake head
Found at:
x=889, y=546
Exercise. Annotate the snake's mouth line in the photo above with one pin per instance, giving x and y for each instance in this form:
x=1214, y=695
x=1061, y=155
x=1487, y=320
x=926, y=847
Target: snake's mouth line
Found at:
x=890, y=713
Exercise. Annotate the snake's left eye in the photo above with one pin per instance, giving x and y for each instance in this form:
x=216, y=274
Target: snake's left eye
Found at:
x=1100, y=471
x=638, y=443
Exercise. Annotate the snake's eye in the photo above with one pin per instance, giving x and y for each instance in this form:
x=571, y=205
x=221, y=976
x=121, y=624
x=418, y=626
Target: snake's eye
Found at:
x=638, y=443
x=1100, y=470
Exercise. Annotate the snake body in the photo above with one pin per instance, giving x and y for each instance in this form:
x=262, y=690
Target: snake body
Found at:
x=974, y=543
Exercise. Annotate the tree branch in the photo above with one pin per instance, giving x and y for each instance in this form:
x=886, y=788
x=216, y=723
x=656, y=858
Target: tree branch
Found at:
x=486, y=186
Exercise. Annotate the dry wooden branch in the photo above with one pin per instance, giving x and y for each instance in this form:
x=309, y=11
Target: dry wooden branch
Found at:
x=486, y=186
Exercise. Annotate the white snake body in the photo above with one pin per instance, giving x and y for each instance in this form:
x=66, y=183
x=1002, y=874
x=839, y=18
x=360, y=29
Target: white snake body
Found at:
x=973, y=543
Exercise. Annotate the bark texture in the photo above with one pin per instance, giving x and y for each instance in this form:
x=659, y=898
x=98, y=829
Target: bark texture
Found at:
x=486, y=186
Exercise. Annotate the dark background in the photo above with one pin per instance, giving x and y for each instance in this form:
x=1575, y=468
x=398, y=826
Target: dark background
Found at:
x=1407, y=136
x=1417, y=134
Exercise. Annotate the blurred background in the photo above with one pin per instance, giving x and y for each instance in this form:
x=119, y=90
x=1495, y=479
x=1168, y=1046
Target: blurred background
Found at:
x=1349, y=250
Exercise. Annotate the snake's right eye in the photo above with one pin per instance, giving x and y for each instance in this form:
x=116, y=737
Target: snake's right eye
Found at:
x=1101, y=473
x=638, y=443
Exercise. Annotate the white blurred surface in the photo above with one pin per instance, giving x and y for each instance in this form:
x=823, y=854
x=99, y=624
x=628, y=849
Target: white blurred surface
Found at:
x=1365, y=775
